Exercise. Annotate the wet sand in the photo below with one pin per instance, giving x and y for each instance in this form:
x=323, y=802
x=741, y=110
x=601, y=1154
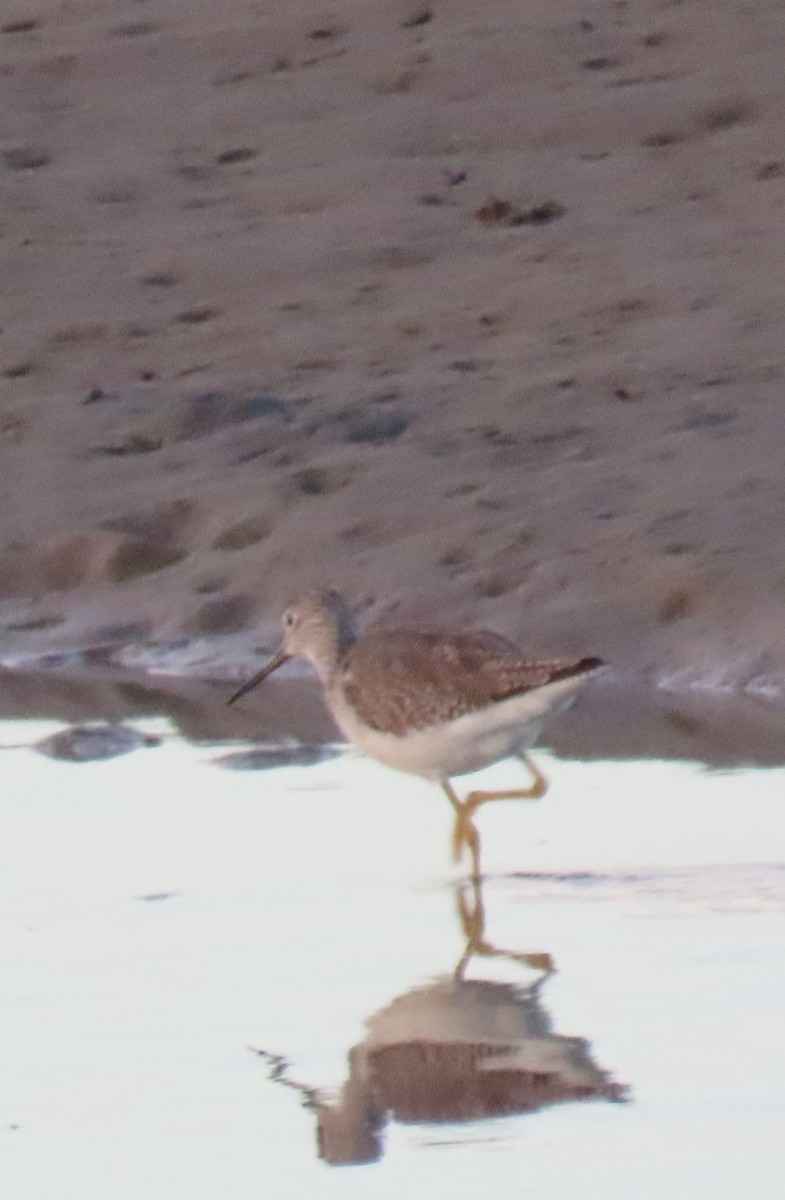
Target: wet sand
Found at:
x=607, y=721
x=470, y=313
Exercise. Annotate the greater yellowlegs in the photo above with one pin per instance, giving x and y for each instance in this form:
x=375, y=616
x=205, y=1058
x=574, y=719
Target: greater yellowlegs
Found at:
x=434, y=703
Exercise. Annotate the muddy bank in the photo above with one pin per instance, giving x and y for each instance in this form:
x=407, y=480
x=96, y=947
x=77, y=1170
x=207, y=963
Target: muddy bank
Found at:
x=476, y=315
x=608, y=721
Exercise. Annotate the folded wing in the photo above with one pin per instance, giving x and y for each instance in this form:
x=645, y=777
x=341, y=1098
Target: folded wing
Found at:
x=410, y=679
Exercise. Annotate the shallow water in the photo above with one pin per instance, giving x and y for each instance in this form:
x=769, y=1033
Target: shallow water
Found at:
x=221, y=981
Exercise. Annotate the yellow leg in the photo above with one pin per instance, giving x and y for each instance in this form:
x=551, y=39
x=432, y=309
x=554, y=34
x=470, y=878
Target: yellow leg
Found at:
x=464, y=832
x=535, y=792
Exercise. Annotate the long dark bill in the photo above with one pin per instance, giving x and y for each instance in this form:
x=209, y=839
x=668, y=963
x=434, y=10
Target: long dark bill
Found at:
x=273, y=665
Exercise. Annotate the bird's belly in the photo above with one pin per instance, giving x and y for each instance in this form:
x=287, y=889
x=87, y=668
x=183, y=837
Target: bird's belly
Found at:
x=469, y=742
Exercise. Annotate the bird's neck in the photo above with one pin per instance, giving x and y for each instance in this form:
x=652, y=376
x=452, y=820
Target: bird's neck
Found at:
x=332, y=653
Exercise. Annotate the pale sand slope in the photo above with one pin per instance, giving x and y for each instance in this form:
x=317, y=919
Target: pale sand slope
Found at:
x=248, y=225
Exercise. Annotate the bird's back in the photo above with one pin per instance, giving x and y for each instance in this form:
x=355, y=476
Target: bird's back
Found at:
x=400, y=680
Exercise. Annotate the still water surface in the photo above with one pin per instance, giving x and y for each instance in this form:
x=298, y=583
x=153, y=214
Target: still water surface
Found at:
x=225, y=975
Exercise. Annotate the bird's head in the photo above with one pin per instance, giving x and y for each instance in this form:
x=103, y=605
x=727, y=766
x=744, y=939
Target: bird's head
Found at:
x=319, y=627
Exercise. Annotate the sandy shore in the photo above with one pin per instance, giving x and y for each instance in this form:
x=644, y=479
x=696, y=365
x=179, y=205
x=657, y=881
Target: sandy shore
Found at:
x=472, y=313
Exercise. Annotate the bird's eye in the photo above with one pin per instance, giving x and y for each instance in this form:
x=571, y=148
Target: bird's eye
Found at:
x=288, y=619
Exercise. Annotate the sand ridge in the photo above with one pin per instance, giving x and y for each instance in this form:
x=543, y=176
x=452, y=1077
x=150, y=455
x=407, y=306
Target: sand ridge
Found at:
x=471, y=313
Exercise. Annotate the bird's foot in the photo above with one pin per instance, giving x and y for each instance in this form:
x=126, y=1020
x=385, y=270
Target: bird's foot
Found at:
x=465, y=835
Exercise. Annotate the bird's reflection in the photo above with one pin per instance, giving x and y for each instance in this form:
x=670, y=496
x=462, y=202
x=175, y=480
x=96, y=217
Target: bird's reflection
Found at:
x=470, y=908
x=455, y=1050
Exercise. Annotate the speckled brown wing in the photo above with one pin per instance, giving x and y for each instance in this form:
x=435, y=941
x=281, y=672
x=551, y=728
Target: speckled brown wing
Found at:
x=398, y=680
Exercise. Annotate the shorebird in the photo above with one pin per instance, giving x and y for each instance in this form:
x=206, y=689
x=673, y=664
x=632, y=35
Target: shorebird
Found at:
x=433, y=703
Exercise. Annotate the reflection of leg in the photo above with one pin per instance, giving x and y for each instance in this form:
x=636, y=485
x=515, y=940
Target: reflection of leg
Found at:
x=473, y=925
x=471, y=913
